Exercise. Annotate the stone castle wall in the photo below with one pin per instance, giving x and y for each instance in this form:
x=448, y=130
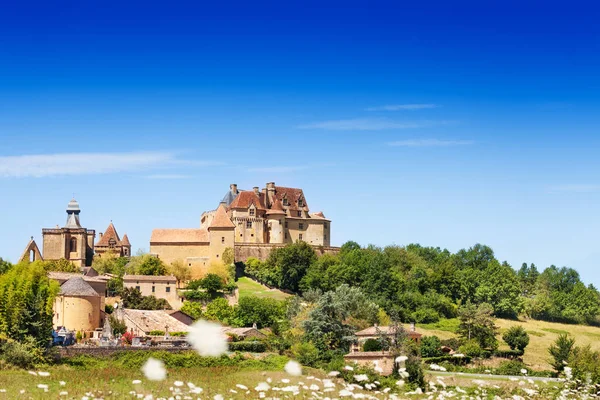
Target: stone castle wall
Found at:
x=261, y=251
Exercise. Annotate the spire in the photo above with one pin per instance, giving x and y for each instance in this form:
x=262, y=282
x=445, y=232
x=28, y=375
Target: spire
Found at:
x=73, y=211
x=276, y=207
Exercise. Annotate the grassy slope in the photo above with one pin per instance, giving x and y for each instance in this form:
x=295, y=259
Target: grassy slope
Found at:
x=541, y=335
x=249, y=287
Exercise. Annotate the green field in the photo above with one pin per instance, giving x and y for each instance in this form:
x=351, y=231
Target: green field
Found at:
x=541, y=333
x=249, y=287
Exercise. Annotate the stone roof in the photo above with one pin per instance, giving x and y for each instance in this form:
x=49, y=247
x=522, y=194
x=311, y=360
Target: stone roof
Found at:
x=179, y=236
x=247, y=197
x=64, y=276
x=125, y=241
x=276, y=207
x=241, y=331
x=155, y=320
x=77, y=286
x=110, y=233
x=221, y=219
x=73, y=205
x=230, y=197
x=152, y=278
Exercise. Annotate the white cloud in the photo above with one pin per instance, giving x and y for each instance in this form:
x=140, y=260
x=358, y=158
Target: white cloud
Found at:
x=576, y=188
x=44, y=165
x=401, y=107
x=430, y=143
x=370, y=124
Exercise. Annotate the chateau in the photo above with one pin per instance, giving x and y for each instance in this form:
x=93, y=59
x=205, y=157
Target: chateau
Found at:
x=253, y=219
x=75, y=243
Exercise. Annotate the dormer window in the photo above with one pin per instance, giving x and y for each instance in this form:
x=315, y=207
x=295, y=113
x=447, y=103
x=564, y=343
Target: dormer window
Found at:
x=299, y=213
x=112, y=243
x=300, y=203
x=251, y=212
x=285, y=202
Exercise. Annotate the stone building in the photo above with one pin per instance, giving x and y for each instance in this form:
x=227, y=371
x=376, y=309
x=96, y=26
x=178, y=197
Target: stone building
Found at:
x=252, y=222
x=111, y=242
x=78, y=306
x=161, y=287
x=144, y=322
x=71, y=242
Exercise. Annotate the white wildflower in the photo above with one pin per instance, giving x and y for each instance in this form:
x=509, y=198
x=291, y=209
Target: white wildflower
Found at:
x=62, y=383
x=262, y=387
x=42, y=373
x=207, y=338
x=293, y=368
x=241, y=387
x=361, y=378
x=348, y=368
x=400, y=359
x=523, y=371
x=154, y=370
x=333, y=373
x=218, y=397
x=136, y=382
x=63, y=394
x=42, y=386
x=400, y=383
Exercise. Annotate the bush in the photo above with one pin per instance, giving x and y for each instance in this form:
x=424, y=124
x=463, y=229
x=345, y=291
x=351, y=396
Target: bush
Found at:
x=561, y=350
x=306, y=353
x=516, y=337
x=426, y=316
x=453, y=343
x=108, y=309
x=470, y=348
x=508, y=353
x=156, y=333
x=511, y=367
x=416, y=377
x=196, y=295
x=252, y=347
x=449, y=359
x=430, y=346
x=372, y=345
x=23, y=354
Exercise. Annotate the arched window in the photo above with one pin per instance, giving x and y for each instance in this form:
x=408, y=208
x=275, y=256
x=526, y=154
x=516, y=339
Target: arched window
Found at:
x=73, y=245
x=31, y=256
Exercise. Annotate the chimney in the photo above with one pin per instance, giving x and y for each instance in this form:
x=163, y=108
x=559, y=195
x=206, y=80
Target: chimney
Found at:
x=255, y=188
x=233, y=188
x=100, y=235
x=270, y=192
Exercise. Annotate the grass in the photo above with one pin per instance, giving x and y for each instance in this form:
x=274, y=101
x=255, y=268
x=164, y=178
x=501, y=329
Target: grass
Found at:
x=542, y=335
x=249, y=287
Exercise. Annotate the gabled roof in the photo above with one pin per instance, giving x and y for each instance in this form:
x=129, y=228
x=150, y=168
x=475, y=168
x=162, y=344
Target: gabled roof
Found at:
x=221, y=219
x=292, y=195
x=110, y=233
x=76, y=286
x=31, y=246
x=179, y=236
x=125, y=241
x=276, y=207
x=247, y=197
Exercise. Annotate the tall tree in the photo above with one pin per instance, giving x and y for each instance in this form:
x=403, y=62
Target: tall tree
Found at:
x=477, y=322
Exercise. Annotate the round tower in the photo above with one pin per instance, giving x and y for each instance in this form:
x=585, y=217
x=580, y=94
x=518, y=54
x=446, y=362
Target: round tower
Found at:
x=276, y=222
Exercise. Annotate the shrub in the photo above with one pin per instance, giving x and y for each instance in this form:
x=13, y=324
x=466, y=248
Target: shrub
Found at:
x=561, y=350
x=448, y=359
x=426, y=316
x=453, y=343
x=108, y=309
x=470, y=348
x=22, y=354
x=306, y=353
x=252, y=347
x=372, y=345
x=511, y=367
x=430, y=346
x=516, y=337
x=118, y=326
x=508, y=353
x=416, y=377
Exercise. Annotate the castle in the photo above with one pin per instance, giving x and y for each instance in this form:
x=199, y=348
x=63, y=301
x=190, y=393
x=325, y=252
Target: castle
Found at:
x=76, y=243
x=256, y=219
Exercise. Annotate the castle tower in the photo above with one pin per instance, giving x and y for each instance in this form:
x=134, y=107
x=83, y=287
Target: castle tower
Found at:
x=275, y=222
x=221, y=233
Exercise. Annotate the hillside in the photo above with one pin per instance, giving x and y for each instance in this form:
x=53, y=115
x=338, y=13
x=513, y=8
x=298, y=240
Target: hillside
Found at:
x=541, y=333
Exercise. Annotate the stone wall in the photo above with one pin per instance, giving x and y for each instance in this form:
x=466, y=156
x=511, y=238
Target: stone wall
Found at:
x=383, y=360
x=94, y=351
x=243, y=251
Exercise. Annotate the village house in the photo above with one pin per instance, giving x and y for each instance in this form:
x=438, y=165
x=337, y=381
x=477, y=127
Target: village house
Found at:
x=161, y=287
x=144, y=322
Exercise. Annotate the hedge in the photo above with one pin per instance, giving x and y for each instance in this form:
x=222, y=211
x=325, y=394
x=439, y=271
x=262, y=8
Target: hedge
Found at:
x=252, y=347
x=508, y=353
x=450, y=359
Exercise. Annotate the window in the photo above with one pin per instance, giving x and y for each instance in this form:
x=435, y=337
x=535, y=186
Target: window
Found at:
x=153, y=289
x=251, y=212
x=300, y=225
x=325, y=237
x=285, y=202
x=286, y=235
x=112, y=243
x=299, y=213
x=73, y=245
x=325, y=226
x=137, y=287
x=222, y=239
x=248, y=224
x=168, y=289
x=300, y=237
x=286, y=224
x=190, y=264
x=300, y=203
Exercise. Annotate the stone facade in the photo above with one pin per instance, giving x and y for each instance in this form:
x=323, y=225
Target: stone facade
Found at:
x=110, y=242
x=161, y=287
x=252, y=222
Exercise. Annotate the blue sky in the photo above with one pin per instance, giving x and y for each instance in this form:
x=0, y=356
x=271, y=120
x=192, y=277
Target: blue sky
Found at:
x=437, y=123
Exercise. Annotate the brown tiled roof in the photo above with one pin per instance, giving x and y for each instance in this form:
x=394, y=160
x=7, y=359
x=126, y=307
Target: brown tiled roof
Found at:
x=318, y=215
x=125, y=241
x=64, y=276
x=146, y=278
x=179, y=236
x=292, y=195
x=276, y=207
x=155, y=320
x=111, y=232
x=221, y=219
x=247, y=197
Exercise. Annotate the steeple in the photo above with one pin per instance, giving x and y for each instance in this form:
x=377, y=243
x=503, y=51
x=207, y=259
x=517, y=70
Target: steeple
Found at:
x=73, y=215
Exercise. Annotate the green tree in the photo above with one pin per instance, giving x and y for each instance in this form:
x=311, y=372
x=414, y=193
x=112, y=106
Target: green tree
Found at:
x=264, y=312
x=290, y=264
x=180, y=271
x=61, y=265
x=228, y=256
x=516, y=338
x=151, y=265
x=430, y=346
x=193, y=309
x=477, y=322
x=561, y=351
x=219, y=310
x=4, y=266
x=212, y=283
x=118, y=326
x=132, y=298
